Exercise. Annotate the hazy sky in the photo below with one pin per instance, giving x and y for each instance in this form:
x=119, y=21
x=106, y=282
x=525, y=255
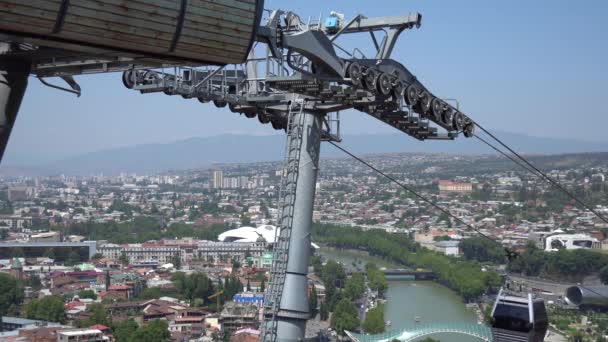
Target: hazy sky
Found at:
x=534, y=67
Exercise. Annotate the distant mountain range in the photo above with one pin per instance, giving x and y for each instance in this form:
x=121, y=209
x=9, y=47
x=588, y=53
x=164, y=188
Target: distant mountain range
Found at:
x=205, y=151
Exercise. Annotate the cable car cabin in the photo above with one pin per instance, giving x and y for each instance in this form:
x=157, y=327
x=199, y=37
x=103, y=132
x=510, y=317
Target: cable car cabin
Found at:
x=519, y=319
x=195, y=32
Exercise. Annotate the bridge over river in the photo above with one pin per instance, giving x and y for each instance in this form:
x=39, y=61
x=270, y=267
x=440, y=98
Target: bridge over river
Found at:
x=418, y=330
x=406, y=273
x=398, y=273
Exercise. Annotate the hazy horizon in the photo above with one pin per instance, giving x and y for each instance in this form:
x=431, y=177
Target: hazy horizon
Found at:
x=540, y=73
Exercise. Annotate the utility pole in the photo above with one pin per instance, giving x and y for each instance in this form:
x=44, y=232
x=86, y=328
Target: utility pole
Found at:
x=14, y=72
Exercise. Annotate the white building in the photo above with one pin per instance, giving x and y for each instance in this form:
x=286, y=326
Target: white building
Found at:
x=570, y=241
x=448, y=247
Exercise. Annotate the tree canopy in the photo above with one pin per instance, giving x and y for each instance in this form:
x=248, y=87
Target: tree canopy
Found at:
x=569, y=265
x=464, y=277
x=154, y=331
x=11, y=293
x=482, y=249
x=374, y=320
x=344, y=317
x=48, y=308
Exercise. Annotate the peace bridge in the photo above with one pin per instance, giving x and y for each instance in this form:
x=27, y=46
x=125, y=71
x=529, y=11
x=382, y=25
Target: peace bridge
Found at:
x=418, y=330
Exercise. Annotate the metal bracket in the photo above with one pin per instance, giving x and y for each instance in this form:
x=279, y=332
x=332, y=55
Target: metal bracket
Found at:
x=75, y=87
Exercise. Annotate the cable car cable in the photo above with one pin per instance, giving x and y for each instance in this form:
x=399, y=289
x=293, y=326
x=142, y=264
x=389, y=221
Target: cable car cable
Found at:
x=506, y=155
x=509, y=253
x=543, y=175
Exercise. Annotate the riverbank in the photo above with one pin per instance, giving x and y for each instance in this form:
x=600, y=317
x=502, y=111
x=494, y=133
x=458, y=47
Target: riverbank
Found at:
x=465, y=277
x=408, y=301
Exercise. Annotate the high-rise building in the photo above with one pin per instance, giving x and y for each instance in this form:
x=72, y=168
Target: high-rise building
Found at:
x=218, y=179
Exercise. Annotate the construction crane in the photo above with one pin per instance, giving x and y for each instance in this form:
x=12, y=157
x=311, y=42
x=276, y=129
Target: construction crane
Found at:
x=217, y=295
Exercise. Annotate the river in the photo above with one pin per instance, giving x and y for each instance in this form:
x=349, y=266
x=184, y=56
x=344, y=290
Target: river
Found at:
x=406, y=300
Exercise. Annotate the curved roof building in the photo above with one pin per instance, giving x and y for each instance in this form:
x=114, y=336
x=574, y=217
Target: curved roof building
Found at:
x=249, y=234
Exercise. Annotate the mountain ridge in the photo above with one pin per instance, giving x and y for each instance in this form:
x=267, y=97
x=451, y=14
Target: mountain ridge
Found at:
x=199, y=152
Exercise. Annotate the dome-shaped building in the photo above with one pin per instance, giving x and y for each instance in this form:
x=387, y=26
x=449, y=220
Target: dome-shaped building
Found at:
x=249, y=234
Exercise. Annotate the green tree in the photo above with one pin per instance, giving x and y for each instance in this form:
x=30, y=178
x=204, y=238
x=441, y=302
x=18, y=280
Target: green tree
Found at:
x=87, y=294
x=323, y=312
x=34, y=282
x=333, y=274
x=97, y=256
x=97, y=314
x=263, y=285
x=245, y=220
x=313, y=302
x=176, y=260
x=355, y=286
x=482, y=249
x=376, y=278
x=315, y=262
x=124, y=330
x=464, y=277
x=154, y=331
x=11, y=293
x=344, y=317
x=123, y=259
x=374, y=320
x=235, y=265
x=195, y=285
x=49, y=308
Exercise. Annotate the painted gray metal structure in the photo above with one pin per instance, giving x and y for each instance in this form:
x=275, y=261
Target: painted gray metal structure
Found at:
x=14, y=73
x=518, y=319
x=302, y=82
x=591, y=296
x=286, y=305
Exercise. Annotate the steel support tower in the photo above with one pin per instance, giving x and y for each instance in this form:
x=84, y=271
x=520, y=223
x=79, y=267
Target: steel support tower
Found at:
x=14, y=72
x=300, y=85
x=285, y=313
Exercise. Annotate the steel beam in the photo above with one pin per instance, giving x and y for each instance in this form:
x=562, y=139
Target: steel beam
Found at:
x=13, y=82
x=294, y=310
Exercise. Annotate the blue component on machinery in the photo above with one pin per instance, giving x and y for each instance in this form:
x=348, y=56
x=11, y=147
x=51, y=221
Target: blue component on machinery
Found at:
x=331, y=23
x=249, y=298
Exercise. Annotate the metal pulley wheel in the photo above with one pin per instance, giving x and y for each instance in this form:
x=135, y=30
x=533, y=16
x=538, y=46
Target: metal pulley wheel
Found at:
x=263, y=117
x=469, y=128
x=437, y=108
x=446, y=116
x=127, y=79
x=398, y=90
x=276, y=123
x=354, y=72
x=458, y=121
x=150, y=77
x=384, y=84
x=425, y=102
x=219, y=103
x=250, y=115
x=232, y=107
x=203, y=99
x=411, y=95
x=370, y=80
